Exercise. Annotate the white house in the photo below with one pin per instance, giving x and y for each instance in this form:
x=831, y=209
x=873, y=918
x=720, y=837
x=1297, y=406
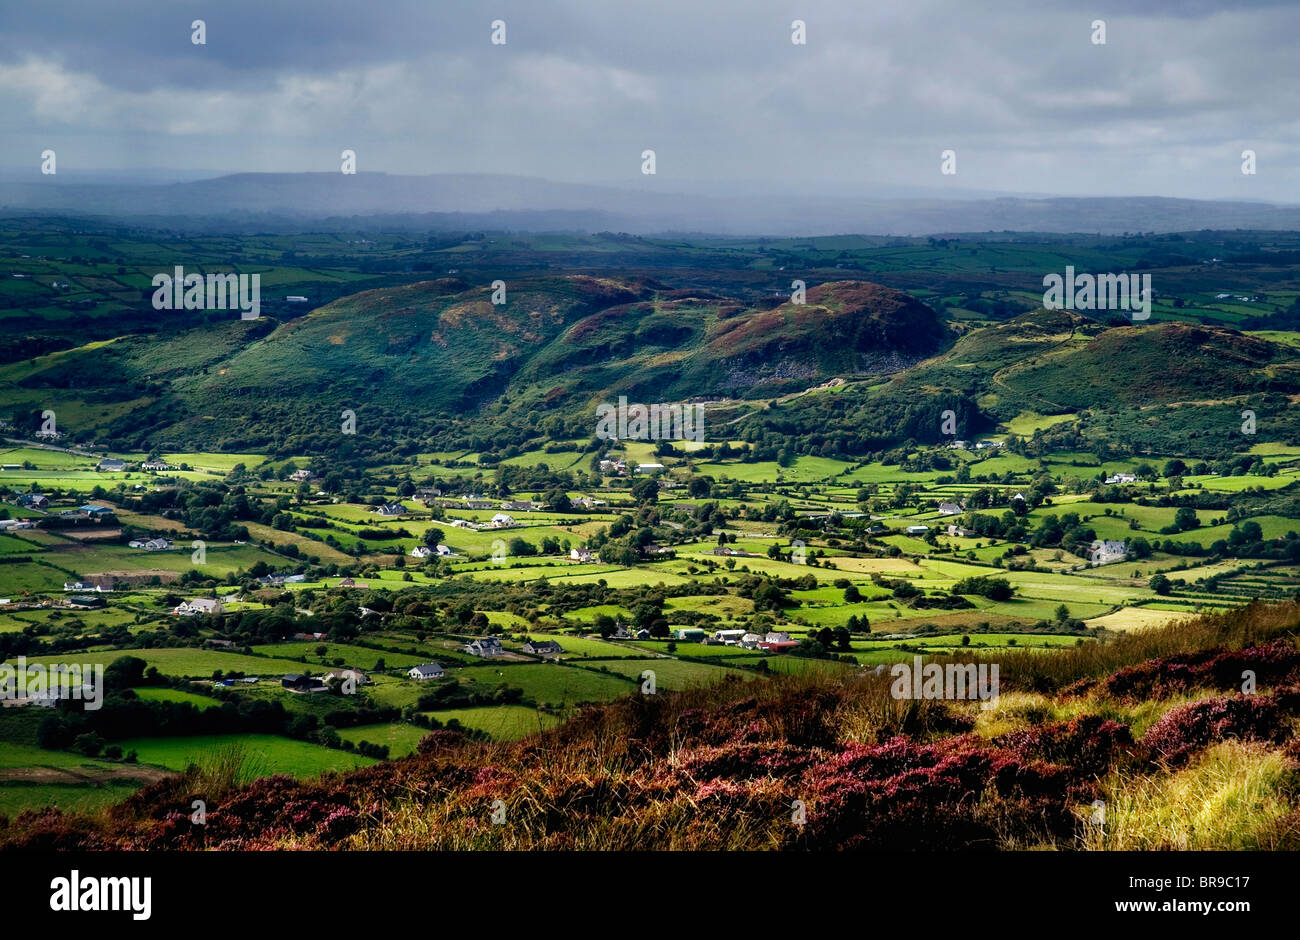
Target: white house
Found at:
x=502, y=521
x=580, y=554
x=1122, y=478
x=750, y=641
x=1104, y=552
x=485, y=646
x=343, y=675
x=427, y=671
x=949, y=509
x=199, y=605
x=152, y=545
x=86, y=586
x=543, y=648
x=301, y=476
x=422, y=551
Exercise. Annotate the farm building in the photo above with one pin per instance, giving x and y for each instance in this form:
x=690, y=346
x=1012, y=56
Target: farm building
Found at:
x=297, y=683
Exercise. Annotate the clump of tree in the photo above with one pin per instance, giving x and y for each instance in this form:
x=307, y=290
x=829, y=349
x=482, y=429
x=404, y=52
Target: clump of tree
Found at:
x=995, y=589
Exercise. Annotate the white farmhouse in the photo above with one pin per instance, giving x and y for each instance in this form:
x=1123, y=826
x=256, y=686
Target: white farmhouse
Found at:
x=199, y=605
x=485, y=646
x=1104, y=552
x=427, y=671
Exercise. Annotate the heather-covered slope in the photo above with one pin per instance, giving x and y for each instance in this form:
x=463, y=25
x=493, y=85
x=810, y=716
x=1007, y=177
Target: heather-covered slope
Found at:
x=1155, y=724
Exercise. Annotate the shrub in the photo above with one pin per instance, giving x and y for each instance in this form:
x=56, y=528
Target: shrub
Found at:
x=1186, y=729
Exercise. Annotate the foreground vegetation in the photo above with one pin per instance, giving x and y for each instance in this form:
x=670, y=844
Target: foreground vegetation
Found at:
x=1154, y=725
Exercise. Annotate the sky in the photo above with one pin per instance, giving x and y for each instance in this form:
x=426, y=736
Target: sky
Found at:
x=1019, y=90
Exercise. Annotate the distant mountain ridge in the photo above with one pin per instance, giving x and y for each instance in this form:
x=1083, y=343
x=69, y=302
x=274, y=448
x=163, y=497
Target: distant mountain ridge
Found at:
x=532, y=204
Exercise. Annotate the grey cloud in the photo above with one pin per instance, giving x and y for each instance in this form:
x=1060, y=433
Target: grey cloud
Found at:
x=717, y=89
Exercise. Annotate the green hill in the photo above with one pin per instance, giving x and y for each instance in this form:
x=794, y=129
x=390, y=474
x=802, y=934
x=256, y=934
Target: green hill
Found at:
x=438, y=359
x=405, y=357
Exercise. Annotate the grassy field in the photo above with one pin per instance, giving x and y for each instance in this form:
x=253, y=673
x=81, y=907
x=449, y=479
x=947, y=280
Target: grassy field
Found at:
x=399, y=737
x=265, y=753
x=147, y=694
x=185, y=662
x=503, y=722
x=673, y=674
x=552, y=683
